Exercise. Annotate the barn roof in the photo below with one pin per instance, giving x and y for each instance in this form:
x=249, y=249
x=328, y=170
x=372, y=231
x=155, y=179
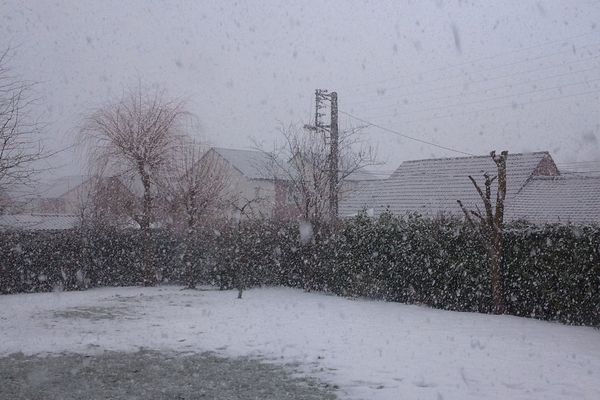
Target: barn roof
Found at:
x=433, y=186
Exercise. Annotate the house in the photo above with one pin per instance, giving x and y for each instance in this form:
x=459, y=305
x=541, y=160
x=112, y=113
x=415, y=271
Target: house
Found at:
x=432, y=187
x=260, y=187
x=66, y=202
x=557, y=199
x=57, y=196
x=62, y=196
x=73, y=195
x=251, y=185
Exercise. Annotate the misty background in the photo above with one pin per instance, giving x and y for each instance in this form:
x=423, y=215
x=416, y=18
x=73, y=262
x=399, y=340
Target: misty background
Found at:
x=469, y=76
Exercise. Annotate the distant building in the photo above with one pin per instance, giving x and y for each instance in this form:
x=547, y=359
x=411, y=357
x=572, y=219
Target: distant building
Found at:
x=557, y=199
x=261, y=188
x=432, y=186
x=62, y=195
x=69, y=201
x=74, y=195
x=252, y=188
x=536, y=190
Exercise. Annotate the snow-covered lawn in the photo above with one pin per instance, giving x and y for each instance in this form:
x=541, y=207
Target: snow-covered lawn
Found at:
x=370, y=349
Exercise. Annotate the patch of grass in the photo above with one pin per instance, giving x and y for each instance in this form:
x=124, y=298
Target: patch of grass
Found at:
x=152, y=375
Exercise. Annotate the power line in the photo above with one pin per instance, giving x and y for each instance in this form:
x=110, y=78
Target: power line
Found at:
x=436, y=89
x=497, y=97
x=364, y=121
x=510, y=86
x=501, y=66
x=491, y=108
x=474, y=61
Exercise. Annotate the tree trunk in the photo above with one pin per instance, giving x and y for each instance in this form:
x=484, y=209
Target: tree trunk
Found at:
x=146, y=203
x=496, y=278
x=149, y=276
x=190, y=265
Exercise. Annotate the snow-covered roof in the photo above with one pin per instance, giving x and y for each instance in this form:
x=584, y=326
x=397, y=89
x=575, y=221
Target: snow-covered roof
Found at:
x=574, y=199
x=252, y=164
x=363, y=175
x=432, y=186
x=38, y=222
x=255, y=164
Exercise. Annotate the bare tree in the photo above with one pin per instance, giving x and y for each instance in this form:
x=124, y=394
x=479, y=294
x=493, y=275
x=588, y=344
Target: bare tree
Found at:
x=20, y=146
x=136, y=138
x=302, y=163
x=490, y=225
x=196, y=185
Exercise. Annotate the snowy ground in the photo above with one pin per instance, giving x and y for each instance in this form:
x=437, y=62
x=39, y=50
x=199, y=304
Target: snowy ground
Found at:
x=371, y=350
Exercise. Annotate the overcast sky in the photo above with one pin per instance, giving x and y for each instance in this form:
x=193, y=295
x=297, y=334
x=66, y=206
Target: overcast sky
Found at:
x=467, y=75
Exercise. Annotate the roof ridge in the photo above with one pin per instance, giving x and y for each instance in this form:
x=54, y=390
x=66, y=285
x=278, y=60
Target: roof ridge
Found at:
x=564, y=177
x=474, y=157
x=34, y=214
x=217, y=148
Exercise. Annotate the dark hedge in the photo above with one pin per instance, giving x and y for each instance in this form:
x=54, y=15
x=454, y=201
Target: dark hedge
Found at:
x=71, y=260
x=551, y=272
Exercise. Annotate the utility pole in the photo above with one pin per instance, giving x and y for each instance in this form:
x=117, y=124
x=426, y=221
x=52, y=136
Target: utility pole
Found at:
x=320, y=96
x=333, y=158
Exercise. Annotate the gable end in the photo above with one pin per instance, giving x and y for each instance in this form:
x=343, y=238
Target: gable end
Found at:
x=546, y=167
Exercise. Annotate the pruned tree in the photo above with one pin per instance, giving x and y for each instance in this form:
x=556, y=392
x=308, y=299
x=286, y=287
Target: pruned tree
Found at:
x=136, y=139
x=20, y=145
x=490, y=226
x=302, y=163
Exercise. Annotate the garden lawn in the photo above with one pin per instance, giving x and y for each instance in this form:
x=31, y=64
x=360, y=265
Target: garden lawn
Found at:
x=367, y=349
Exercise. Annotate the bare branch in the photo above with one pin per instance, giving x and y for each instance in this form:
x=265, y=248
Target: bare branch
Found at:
x=197, y=184
x=302, y=161
x=20, y=145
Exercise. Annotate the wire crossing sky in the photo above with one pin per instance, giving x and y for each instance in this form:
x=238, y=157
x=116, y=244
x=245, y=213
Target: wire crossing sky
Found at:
x=439, y=76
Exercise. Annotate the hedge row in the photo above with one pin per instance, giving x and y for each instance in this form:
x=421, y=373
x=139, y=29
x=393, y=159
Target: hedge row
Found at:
x=551, y=272
x=71, y=260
